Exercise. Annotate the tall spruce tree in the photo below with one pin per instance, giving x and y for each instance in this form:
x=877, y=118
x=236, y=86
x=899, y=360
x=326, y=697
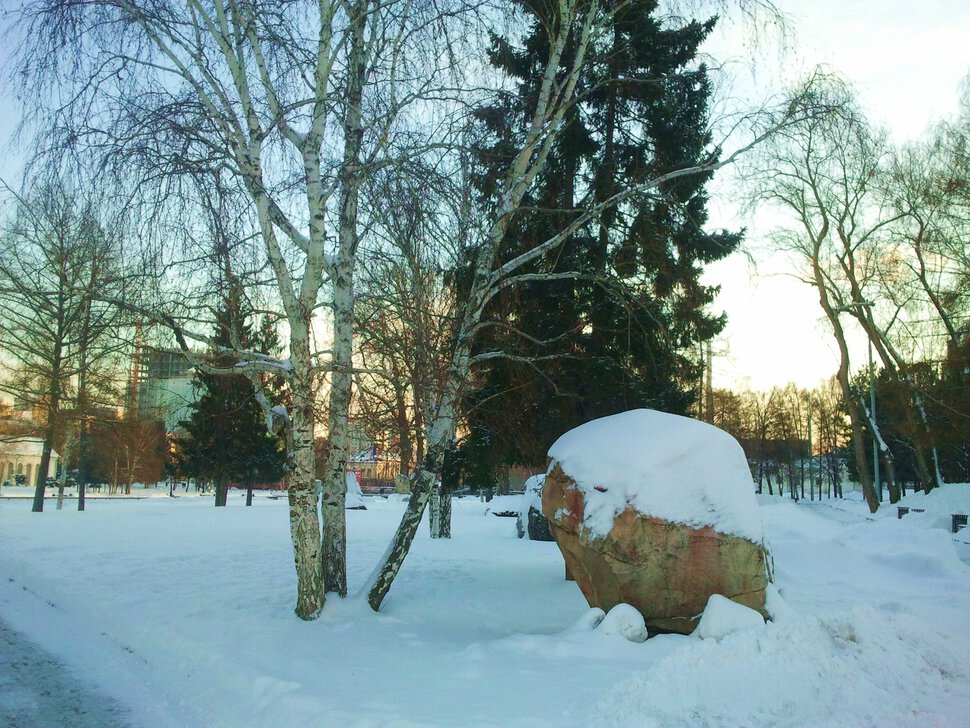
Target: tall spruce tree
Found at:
x=619, y=332
x=226, y=438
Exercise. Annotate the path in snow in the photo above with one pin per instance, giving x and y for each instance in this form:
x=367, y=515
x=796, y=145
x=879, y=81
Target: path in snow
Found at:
x=37, y=691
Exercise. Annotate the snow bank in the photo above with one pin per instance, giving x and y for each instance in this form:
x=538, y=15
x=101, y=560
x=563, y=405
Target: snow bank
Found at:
x=723, y=617
x=664, y=465
x=872, y=630
x=934, y=509
x=503, y=505
x=847, y=671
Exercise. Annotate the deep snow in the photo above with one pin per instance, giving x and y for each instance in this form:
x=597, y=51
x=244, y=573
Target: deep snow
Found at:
x=182, y=613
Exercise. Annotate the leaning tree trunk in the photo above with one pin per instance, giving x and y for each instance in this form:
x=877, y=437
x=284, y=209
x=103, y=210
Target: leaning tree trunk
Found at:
x=387, y=569
x=383, y=576
x=440, y=436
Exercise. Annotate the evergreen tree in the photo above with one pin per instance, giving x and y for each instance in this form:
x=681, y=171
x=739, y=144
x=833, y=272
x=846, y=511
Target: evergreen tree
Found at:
x=227, y=440
x=618, y=334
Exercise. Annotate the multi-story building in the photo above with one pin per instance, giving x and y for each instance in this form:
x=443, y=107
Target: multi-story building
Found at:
x=162, y=387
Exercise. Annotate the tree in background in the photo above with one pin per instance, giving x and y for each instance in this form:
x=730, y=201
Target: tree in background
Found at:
x=60, y=340
x=404, y=312
x=823, y=172
x=613, y=327
x=226, y=439
x=127, y=451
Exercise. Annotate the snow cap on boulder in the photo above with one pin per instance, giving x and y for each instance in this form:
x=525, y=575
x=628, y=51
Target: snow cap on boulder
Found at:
x=666, y=466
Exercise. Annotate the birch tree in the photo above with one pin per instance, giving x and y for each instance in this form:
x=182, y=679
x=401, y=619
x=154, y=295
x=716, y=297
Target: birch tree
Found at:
x=281, y=99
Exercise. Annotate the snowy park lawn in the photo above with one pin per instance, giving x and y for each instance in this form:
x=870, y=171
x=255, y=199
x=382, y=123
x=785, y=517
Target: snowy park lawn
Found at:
x=183, y=613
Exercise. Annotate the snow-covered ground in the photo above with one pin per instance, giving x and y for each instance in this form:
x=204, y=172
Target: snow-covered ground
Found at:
x=182, y=613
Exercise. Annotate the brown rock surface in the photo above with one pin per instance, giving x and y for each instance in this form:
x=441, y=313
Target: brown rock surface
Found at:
x=666, y=570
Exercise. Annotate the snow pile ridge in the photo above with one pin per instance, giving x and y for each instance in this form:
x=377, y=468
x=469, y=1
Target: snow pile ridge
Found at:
x=666, y=466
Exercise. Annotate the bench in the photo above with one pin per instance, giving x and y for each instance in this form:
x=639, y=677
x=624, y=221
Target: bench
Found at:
x=903, y=510
x=959, y=522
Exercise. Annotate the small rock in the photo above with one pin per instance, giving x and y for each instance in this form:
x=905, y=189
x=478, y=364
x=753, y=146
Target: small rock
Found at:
x=625, y=621
x=723, y=617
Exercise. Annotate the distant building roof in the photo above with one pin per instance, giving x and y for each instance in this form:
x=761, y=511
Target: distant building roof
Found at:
x=366, y=456
x=24, y=447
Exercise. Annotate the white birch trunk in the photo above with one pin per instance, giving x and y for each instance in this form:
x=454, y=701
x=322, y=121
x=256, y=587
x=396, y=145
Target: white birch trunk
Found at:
x=381, y=578
x=351, y=174
x=444, y=518
x=301, y=488
x=434, y=512
x=335, y=484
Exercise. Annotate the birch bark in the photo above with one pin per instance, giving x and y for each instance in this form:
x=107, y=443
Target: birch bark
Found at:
x=301, y=489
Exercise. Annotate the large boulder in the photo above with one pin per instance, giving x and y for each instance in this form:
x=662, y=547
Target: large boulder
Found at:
x=657, y=511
